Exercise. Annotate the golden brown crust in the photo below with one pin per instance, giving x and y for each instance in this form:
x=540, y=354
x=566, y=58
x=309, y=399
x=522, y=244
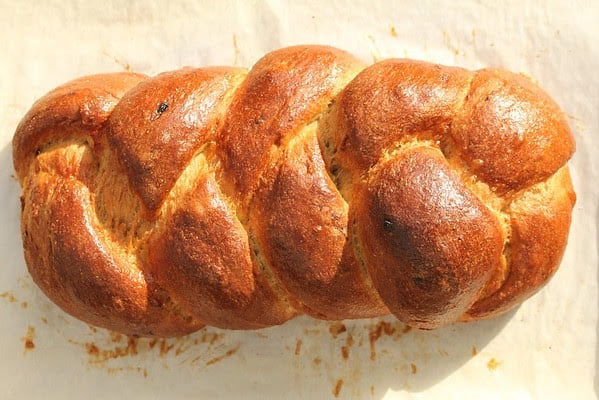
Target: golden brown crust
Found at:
x=510, y=134
x=392, y=102
x=443, y=243
x=310, y=184
x=182, y=106
x=78, y=269
x=204, y=259
x=540, y=217
x=285, y=90
x=79, y=108
x=302, y=221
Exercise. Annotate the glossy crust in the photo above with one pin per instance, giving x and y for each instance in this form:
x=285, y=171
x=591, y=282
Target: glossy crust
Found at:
x=310, y=184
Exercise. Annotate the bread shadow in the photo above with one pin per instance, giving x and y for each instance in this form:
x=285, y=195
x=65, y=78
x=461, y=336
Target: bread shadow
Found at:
x=304, y=358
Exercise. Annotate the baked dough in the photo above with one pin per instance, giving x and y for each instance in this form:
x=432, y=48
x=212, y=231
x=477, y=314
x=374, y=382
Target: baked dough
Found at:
x=310, y=184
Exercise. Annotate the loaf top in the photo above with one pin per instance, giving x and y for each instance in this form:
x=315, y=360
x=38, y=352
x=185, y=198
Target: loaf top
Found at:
x=309, y=184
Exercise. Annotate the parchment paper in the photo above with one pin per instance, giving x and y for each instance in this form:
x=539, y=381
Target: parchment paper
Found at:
x=545, y=349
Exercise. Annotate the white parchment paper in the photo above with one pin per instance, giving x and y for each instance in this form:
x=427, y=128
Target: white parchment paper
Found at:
x=546, y=349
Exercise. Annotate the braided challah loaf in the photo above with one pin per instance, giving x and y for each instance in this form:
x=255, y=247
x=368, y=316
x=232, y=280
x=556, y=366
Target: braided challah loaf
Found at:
x=310, y=184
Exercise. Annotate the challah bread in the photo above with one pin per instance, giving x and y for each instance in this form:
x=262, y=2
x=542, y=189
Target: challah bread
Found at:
x=310, y=184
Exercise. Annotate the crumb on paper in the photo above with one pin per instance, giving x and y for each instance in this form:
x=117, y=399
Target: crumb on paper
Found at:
x=140, y=370
x=345, y=352
x=385, y=328
x=9, y=296
x=474, y=351
x=102, y=351
x=413, y=368
x=376, y=332
x=164, y=346
x=393, y=31
x=317, y=361
x=211, y=337
x=337, y=388
x=227, y=354
x=298, y=347
x=349, y=342
x=492, y=364
x=28, y=338
x=99, y=355
x=312, y=331
x=336, y=329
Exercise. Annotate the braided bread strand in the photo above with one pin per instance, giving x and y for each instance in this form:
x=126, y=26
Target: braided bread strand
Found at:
x=310, y=184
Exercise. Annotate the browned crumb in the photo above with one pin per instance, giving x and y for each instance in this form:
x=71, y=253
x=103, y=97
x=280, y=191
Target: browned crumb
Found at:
x=413, y=368
x=493, y=364
x=9, y=296
x=336, y=329
x=229, y=353
x=376, y=332
x=28, y=338
x=349, y=342
x=337, y=388
x=345, y=352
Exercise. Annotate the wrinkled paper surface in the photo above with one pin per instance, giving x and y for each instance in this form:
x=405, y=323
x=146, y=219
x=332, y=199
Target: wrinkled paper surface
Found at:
x=545, y=349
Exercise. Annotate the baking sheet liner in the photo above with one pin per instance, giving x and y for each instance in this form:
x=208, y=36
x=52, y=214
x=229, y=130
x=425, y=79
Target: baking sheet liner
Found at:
x=547, y=348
